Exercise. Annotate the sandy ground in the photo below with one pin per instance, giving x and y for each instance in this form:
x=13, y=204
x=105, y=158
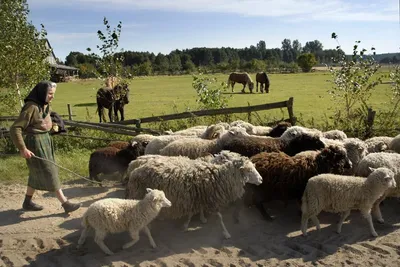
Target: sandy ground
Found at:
x=48, y=237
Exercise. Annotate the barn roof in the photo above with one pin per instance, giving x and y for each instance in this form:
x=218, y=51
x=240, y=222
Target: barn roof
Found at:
x=63, y=67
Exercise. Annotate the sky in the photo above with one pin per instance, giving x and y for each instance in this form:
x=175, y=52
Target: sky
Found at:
x=161, y=26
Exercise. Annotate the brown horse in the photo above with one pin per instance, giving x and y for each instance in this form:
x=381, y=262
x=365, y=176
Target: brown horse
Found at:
x=112, y=99
x=243, y=78
x=262, y=78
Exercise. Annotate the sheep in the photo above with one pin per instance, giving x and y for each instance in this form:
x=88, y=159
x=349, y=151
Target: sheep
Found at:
x=334, y=134
x=395, y=144
x=377, y=160
x=340, y=194
x=113, y=215
x=293, y=140
x=159, y=142
x=144, y=139
x=279, y=129
x=356, y=151
x=197, y=147
x=195, y=185
x=252, y=129
x=207, y=132
x=378, y=143
x=118, y=144
x=285, y=177
x=108, y=160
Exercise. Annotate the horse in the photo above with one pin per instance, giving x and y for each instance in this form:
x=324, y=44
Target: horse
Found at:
x=112, y=99
x=243, y=78
x=262, y=78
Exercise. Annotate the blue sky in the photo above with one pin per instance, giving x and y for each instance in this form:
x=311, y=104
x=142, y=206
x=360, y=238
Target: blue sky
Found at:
x=165, y=25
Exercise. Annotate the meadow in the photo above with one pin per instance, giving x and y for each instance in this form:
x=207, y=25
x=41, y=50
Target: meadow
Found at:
x=160, y=95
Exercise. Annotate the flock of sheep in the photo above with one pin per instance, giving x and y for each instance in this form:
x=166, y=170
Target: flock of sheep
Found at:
x=203, y=169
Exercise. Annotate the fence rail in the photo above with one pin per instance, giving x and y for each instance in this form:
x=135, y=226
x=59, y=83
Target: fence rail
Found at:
x=246, y=109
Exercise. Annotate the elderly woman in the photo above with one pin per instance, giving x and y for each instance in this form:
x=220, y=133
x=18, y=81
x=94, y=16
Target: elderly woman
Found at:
x=35, y=122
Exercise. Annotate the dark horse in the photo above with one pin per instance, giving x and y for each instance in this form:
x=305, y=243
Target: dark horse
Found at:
x=112, y=99
x=262, y=78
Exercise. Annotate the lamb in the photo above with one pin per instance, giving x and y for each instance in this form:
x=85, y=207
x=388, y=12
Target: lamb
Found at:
x=197, y=147
x=340, y=194
x=378, y=143
x=356, y=151
x=144, y=139
x=195, y=185
x=377, y=160
x=108, y=160
x=113, y=215
x=285, y=177
x=293, y=140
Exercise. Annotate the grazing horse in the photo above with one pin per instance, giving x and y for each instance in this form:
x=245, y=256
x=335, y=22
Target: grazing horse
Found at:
x=262, y=78
x=112, y=98
x=243, y=78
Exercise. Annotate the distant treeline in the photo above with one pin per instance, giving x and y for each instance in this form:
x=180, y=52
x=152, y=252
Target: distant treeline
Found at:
x=251, y=59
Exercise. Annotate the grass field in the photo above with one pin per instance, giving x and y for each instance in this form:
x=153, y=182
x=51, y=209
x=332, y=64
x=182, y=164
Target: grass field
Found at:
x=160, y=95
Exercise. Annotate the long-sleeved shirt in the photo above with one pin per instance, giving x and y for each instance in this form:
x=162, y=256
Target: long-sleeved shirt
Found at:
x=30, y=121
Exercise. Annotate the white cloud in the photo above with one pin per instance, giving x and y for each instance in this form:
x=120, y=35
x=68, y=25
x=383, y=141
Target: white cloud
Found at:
x=334, y=10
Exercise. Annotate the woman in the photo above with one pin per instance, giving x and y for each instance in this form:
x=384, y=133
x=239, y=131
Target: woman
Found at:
x=35, y=121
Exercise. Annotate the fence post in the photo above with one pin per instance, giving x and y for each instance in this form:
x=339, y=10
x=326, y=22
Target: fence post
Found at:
x=69, y=112
x=369, y=124
x=248, y=113
x=292, y=118
x=137, y=123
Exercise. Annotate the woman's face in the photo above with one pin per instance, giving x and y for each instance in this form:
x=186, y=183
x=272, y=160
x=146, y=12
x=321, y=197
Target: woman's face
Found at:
x=50, y=95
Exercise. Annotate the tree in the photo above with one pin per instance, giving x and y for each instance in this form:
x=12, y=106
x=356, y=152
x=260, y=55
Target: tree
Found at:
x=287, y=51
x=22, y=54
x=313, y=47
x=306, y=61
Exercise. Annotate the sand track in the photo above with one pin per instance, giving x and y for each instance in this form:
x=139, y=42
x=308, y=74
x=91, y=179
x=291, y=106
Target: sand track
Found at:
x=48, y=237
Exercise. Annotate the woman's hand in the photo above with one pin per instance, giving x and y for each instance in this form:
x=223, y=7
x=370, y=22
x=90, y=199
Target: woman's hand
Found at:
x=26, y=153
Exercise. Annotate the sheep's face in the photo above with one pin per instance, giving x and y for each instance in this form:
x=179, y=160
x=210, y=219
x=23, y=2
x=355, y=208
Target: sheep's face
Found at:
x=158, y=196
x=336, y=157
x=250, y=173
x=385, y=176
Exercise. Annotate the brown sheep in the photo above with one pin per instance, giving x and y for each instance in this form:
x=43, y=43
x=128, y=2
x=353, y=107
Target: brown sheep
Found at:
x=285, y=177
x=243, y=78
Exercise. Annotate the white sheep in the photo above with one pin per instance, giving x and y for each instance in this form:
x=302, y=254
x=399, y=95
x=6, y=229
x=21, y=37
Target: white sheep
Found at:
x=395, y=144
x=195, y=185
x=378, y=143
x=377, y=160
x=113, y=215
x=252, y=129
x=198, y=147
x=341, y=194
x=159, y=142
x=334, y=134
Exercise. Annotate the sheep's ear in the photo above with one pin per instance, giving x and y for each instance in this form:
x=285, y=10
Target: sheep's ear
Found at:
x=134, y=143
x=371, y=169
x=231, y=132
x=149, y=190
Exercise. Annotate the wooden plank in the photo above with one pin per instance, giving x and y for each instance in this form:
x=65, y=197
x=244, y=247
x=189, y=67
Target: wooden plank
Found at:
x=208, y=112
x=110, y=128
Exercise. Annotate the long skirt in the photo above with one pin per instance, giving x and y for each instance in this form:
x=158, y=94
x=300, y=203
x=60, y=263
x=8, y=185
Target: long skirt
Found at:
x=43, y=175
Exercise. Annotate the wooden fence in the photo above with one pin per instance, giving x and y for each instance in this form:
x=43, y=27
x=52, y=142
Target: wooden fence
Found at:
x=122, y=127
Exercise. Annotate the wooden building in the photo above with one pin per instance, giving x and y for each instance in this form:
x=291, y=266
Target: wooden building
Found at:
x=59, y=72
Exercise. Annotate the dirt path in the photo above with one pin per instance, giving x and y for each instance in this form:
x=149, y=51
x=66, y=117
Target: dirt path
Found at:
x=48, y=237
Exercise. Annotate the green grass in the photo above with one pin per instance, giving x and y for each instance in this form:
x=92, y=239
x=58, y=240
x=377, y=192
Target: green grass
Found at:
x=162, y=95
x=151, y=96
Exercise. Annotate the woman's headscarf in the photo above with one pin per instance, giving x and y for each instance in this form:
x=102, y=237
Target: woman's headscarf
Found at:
x=39, y=93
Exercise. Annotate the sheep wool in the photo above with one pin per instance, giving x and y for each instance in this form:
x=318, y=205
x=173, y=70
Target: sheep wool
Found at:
x=341, y=194
x=195, y=185
x=113, y=215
